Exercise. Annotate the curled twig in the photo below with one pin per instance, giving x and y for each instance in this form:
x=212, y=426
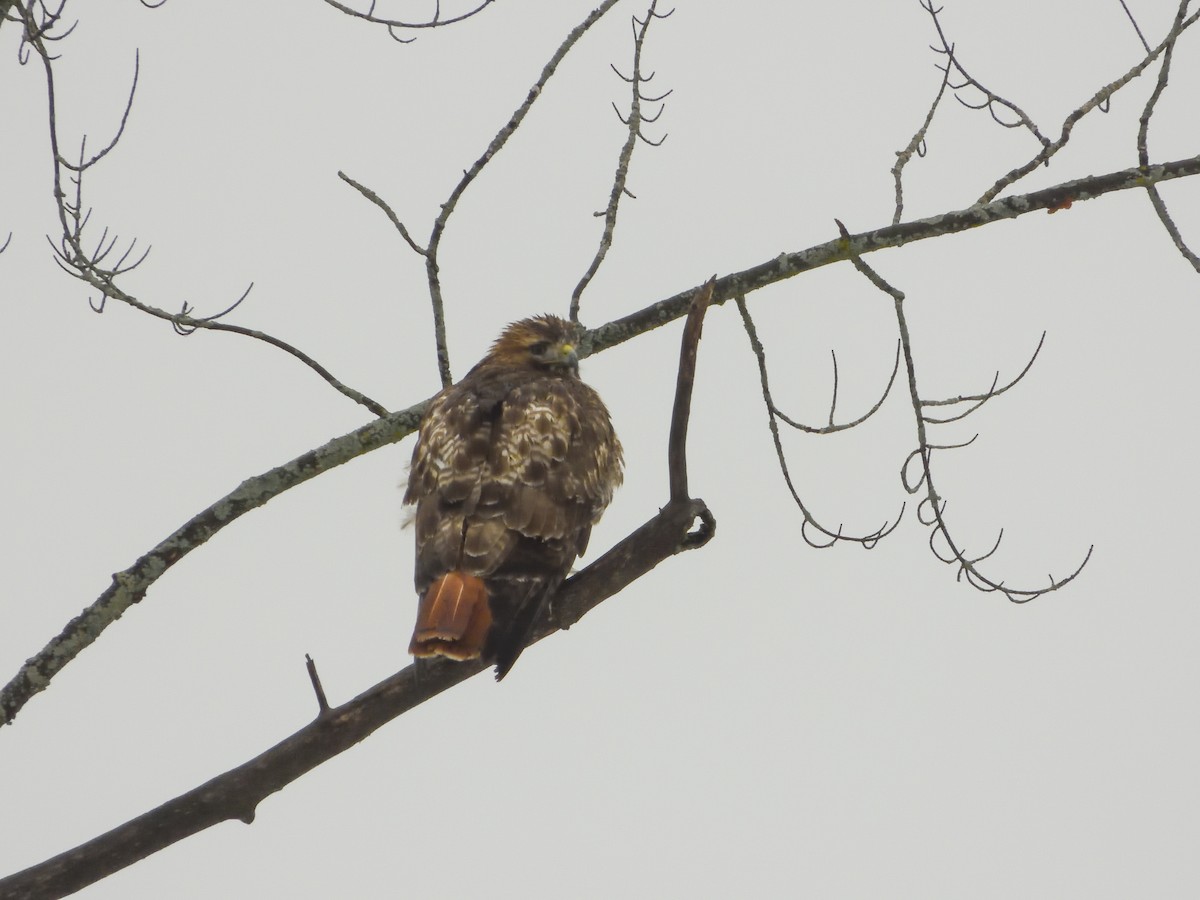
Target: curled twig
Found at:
x=832, y=427
x=977, y=400
x=92, y=266
x=931, y=510
x=633, y=122
x=394, y=25
x=830, y=537
x=991, y=100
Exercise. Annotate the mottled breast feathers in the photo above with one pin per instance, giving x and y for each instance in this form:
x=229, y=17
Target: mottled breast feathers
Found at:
x=512, y=467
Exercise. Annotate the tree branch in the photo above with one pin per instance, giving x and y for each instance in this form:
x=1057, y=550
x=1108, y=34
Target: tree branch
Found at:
x=788, y=265
x=130, y=586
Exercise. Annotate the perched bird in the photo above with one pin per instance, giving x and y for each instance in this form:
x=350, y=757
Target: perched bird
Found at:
x=513, y=466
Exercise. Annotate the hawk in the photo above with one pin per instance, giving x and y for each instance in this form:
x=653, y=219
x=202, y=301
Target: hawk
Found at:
x=513, y=466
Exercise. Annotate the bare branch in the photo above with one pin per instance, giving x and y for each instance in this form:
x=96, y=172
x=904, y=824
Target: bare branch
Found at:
x=833, y=428
x=382, y=204
x=677, y=443
x=634, y=124
x=991, y=98
x=789, y=265
x=977, y=400
x=1133, y=21
x=237, y=793
x=1098, y=99
x=396, y=24
x=497, y=144
x=130, y=585
x=832, y=537
x=318, y=688
x=185, y=324
x=84, y=165
x=1156, y=200
x=87, y=266
x=931, y=510
x=916, y=145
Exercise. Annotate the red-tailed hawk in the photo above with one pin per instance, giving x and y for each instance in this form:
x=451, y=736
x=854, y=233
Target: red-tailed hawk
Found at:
x=512, y=467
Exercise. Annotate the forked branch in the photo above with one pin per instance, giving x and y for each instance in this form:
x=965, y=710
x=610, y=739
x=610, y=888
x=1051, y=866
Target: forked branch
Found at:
x=92, y=261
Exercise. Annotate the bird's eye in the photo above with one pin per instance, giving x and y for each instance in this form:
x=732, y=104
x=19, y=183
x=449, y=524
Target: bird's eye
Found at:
x=540, y=348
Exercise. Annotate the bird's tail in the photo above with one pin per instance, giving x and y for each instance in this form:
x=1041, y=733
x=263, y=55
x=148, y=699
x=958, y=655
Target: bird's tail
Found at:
x=453, y=618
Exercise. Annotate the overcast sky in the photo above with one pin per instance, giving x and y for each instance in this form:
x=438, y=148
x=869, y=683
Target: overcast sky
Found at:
x=757, y=718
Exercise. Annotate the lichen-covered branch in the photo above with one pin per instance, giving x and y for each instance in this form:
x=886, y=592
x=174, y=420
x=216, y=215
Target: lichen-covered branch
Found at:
x=1097, y=100
x=129, y=586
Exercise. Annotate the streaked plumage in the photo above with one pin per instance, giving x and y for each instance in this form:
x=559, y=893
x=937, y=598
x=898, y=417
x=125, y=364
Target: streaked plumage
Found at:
x=512, y=467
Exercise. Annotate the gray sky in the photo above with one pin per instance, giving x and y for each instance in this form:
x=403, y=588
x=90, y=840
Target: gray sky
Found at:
x=756, y=718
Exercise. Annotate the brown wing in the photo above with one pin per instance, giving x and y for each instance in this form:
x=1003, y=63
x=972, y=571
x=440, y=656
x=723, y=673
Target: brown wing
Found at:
x=506, y=456
x=510, y=472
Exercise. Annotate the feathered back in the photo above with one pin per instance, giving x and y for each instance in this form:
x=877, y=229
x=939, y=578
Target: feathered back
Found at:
x=512, y=467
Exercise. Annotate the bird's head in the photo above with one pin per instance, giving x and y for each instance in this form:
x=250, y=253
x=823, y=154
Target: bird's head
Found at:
x=542, y=342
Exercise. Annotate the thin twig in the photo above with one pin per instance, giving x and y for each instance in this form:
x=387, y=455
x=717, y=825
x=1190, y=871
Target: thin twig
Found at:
x=916, y=145
x=435, y=22
x=1156, y=200
x=1133, y=21
x=318, y=688
x=634, y=125
x=991, y=98
x=382, y=204
x=834, y=427
x=1100, y=98
x=977, y=400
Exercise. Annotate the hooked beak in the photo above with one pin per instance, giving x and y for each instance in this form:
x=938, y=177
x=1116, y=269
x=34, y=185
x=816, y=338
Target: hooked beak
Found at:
x=570, y=358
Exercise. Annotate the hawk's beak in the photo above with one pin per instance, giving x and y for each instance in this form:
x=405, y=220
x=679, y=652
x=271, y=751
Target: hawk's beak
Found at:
x=569, y=357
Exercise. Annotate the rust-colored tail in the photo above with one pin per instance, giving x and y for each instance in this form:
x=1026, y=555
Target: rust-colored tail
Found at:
x=453, y=618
